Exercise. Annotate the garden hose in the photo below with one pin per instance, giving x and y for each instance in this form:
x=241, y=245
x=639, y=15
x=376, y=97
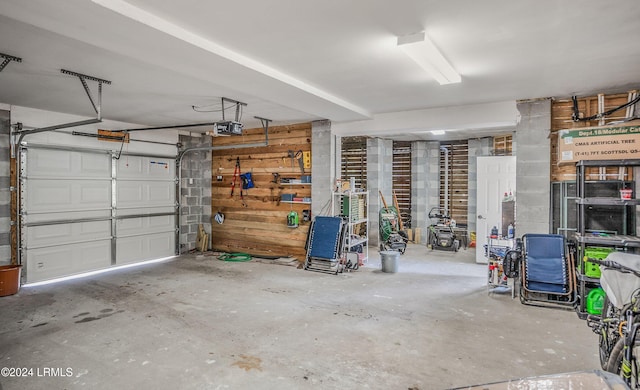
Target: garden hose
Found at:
x=236, y=257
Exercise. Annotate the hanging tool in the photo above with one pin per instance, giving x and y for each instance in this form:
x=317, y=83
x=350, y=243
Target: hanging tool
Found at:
x=296, y=155
x=299, y=156
x=236, y=178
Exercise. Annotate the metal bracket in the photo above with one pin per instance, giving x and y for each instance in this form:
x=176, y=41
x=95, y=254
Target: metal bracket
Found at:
x=7, y=59
x=83, y=79
x=265, y=125
x=238, y=105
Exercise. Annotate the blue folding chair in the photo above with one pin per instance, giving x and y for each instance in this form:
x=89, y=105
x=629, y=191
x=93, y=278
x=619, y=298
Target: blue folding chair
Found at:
x=325, y=244
x=547, y=275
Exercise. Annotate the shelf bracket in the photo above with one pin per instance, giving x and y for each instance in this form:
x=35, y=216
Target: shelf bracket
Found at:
x=7, y=59
x=265, y=125
x=97, y=107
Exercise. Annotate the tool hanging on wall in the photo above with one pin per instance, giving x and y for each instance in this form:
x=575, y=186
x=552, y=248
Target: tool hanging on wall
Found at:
x=296, y=155
x=306, y=158
x=247, y=181
x=237, y=177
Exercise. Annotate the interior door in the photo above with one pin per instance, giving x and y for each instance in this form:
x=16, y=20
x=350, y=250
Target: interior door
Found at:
x=495, y=176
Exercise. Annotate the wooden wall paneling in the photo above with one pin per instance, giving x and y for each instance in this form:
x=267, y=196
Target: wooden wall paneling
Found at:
x=401, y=177
x=458, y=180
x=502, y=145
x=260, y=228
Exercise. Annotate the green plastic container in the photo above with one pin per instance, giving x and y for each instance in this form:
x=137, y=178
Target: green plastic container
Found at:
x=595, y=301
x=590, y=269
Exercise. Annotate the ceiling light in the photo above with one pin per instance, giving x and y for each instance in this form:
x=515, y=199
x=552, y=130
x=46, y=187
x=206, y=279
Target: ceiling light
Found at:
x=437, y=132
x=426, y=54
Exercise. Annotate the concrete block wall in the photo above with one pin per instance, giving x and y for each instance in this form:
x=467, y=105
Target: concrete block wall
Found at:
x=195, y=190
x=379, y=178
x=5, y=193
x=419, y=188
x=323, y=164
x=477, y=147
x=533, y=166
x=425, y=178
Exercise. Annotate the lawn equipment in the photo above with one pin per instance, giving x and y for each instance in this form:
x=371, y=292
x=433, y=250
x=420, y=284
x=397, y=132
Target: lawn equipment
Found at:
x=391, y=238
x=441, y=234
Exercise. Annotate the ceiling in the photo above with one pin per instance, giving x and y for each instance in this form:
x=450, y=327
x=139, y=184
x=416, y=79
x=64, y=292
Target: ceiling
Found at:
x=301, y=60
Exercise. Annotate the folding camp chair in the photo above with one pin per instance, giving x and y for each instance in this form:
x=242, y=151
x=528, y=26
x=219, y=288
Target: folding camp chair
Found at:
x=325, y=244
x=547, y=274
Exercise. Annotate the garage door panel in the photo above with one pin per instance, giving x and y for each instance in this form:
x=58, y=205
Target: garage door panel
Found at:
x=64, y=163
x=52, y=262
x=67, y=195
x=67, y=215
x=145, y=225
x=139, y=248
x=147, y=210
x=147, y=168
x=144, y=194
x=68, y=210
x=69, y=233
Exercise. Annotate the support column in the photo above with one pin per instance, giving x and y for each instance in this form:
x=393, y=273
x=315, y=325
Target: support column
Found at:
x=419, y=189
x=533, y=166
x=195, y=191
x=425, y=184
x=379, y=178
x=322, y=164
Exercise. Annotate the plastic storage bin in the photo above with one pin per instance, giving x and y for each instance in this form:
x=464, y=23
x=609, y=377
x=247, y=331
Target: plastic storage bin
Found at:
x=590, y=269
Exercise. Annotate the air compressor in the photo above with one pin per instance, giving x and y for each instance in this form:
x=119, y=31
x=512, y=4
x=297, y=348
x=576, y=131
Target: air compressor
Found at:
x=293, y=220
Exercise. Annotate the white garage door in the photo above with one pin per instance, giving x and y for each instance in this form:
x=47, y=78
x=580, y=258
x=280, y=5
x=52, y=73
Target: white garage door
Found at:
x=84, y=210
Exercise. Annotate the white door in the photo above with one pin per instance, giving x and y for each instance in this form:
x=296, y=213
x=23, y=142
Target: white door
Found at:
x=495, y=176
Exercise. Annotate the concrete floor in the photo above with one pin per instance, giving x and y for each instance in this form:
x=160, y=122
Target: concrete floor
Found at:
x=200, y=323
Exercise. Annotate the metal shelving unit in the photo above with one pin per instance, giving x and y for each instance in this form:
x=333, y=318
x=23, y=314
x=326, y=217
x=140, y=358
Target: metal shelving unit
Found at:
x=353, y=206
x=496, y=250
x=622, y=213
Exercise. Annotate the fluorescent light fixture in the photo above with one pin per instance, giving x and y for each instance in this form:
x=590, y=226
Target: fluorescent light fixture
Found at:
x=97, y=272
x=426, y=54
x=437, y=132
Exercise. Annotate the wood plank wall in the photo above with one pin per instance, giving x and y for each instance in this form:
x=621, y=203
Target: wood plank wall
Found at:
x=401, y=176
x=503, y=145
x=458, y=180
x=260, y=228
x=561, y=112
x=354, y=160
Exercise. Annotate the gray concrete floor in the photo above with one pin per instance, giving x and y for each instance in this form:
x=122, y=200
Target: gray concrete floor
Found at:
x=199, y=323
